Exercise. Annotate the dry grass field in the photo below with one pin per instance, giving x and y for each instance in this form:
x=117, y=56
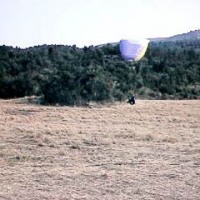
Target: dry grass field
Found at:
x=115, y=151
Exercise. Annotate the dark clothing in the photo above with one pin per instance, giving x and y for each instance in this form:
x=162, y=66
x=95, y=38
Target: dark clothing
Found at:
x=131, y=100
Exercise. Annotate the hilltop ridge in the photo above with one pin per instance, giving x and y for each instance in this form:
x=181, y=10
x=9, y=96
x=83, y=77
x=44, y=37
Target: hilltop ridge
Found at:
x=192, y=35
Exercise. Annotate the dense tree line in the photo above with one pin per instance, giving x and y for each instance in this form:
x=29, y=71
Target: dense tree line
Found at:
x=70, y=75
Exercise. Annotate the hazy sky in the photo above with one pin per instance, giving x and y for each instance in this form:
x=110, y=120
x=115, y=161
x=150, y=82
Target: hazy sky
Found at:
x=25, y=23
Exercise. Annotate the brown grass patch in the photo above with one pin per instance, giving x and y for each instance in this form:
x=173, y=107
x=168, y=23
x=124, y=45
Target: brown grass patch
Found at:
x=116, y=151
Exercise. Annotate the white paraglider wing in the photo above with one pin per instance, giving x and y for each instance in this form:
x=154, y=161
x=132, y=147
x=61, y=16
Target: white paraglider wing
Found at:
x=133, y=50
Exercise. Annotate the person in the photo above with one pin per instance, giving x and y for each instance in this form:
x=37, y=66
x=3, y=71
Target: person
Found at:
x=131, y=100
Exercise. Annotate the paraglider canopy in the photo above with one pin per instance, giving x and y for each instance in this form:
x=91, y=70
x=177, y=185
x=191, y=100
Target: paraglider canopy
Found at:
x=133, y=50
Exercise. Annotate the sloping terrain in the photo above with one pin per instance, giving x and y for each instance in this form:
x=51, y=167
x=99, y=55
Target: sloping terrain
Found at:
x=115, y=151
x=192, y=35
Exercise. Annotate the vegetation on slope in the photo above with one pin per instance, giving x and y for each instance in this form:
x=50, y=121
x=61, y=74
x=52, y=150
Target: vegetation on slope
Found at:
x=69, y=75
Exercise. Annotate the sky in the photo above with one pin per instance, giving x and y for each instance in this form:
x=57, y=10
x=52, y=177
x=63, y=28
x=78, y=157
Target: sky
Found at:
x=26, y=23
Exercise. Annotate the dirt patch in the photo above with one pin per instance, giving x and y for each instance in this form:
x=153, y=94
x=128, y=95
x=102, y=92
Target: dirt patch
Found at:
x=147, y=151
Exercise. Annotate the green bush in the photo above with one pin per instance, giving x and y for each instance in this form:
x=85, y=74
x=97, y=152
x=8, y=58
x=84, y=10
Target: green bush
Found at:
x=68, y=75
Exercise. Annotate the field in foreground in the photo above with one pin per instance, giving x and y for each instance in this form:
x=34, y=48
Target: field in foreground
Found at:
x=147, y=151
